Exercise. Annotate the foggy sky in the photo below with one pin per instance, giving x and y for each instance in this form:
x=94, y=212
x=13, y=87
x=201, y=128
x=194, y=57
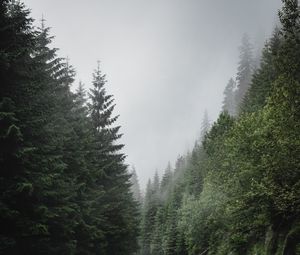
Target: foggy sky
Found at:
x=166, y=61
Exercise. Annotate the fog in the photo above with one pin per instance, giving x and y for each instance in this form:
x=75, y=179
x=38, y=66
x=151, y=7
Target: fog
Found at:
x=166, y=62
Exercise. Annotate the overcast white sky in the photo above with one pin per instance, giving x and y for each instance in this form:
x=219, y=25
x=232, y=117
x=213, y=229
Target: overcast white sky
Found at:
x=166, y=62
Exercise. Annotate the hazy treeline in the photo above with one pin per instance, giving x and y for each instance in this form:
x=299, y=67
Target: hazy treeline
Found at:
x=64, y=187
x=238, y=191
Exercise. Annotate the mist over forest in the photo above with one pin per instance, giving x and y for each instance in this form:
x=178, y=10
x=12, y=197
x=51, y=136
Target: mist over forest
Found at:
x=143, y=128
x=166, y=62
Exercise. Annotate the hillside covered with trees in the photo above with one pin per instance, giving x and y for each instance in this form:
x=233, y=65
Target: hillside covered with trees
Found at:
x=65, y=187
x=238, y=191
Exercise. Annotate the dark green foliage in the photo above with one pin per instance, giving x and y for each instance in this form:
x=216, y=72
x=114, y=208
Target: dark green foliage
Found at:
x=64, y=186
x=111, y=173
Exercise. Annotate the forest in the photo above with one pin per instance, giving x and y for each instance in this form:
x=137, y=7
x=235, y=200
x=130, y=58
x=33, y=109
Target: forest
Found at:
x=65, y=186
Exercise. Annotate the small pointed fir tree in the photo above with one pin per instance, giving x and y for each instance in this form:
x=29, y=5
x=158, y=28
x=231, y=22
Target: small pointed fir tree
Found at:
x=166, y=181
x=245, y=71
x=229, y=98
x=135, y=186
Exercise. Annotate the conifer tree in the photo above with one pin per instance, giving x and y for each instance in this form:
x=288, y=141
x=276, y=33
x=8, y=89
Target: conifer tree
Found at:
x=45, y=214
x=166, y=180
x=170, y=235
x=157, y=236
x=245, y=71
x=147, y=220
x=229, y=98
x=205, y=126
x=155, y=184
x=263, y=78
x=135, y=186
x=110, y=173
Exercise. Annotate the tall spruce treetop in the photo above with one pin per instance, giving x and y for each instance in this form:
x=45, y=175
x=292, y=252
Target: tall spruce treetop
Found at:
x=110, y=172
x=80, y=95
x=245, y=70
x=43, y=53
x=101, y=108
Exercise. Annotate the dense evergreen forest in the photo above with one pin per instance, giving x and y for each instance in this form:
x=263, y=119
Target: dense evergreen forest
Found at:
x=238, y=190
x=65, y=187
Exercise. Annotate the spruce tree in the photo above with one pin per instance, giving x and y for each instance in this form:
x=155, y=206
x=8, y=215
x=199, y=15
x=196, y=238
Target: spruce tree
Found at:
x=205, y=125
x=229, y=98
x=110, y=173
x=157, y=236
x=166, y=180
x=263, y=78
x=245, y=71
x=44, y=224
x=135, y=186
x=147, y=220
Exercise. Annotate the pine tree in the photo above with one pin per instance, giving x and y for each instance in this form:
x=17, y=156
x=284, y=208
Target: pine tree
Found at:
x=157, y=236
x=151, y=206
x=147, y=220
x=64, y=186
x=245, y=71
x=170, y=235
x=229, y=98
x=57, y=148
x=45, y=214
x=166, y=180
x=135, y=186
x=263, y=78
x=110, y=173
x=205, y=126
x=156, y=183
